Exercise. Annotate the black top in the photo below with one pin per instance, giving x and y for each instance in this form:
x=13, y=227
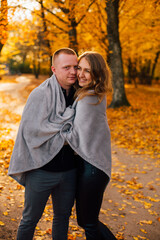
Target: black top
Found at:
x=64, y=160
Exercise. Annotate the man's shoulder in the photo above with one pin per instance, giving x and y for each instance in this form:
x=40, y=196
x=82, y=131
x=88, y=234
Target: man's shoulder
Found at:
x=42, y=87
x=39, y=91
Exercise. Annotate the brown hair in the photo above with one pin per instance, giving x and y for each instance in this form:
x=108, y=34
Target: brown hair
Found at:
x=100, y=74
x=62, y=50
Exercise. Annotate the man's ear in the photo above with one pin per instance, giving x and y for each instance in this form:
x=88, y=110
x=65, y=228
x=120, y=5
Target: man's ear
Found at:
x=53, y=69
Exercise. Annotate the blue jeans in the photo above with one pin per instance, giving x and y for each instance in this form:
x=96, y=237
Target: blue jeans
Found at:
x=40, y=185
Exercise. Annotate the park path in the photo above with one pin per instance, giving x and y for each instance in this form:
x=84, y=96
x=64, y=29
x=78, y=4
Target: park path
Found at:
x=131, y=204
x=13, y=89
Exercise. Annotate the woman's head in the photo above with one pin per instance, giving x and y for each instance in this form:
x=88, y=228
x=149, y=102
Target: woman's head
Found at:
x=93, y=74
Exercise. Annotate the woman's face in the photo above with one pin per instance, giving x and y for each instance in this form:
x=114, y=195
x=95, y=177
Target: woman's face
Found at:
x=84, y=72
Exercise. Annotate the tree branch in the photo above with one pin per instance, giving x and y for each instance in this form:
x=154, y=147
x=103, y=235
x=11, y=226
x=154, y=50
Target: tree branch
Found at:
x=49, y=11
x=39, y=15
x=86, y=11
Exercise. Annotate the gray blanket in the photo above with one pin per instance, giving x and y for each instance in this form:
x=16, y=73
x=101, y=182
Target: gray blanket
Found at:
x=39, y=136
x=89, y=135
x=46, y=124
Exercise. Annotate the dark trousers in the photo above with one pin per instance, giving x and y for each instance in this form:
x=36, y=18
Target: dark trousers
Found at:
x=40, y=185
x=91, y=185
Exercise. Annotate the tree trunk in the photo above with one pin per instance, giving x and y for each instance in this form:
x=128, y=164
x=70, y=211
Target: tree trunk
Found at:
x=47, y=42
x=73, y=35
x=129, y=71
x=154, y=64
x=119, y=96
x=145, y=76
x=132, y=72
x=148, y=70
x=1, y=46
x=36, y=66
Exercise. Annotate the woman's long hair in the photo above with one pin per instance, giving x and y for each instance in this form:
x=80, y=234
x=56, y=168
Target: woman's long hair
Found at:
x=100, y=74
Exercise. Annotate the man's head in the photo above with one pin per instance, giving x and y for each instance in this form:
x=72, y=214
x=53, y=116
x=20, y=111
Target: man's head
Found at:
x=64, y=66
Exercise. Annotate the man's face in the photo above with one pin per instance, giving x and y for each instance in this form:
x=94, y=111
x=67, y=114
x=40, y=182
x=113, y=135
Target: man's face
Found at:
x=65, y=69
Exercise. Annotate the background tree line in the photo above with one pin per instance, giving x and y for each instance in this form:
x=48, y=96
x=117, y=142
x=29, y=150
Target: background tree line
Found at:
x=126, y=33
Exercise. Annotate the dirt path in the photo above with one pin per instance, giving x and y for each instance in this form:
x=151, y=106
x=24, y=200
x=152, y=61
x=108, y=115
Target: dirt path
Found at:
x=131, y=202
x=13, y=89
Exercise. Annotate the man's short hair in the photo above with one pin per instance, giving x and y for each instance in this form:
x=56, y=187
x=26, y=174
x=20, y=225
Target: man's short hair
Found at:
x=63, y=50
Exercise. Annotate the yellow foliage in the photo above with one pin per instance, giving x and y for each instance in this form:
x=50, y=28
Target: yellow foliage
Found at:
x=145, y=222
x=5, y=213
x=3, y=22
x=139, y=29
x=2, y=223
x=137, y=127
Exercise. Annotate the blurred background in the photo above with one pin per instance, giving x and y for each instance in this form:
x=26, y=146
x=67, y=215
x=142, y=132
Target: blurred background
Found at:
x=127, y=34
x=31, y=30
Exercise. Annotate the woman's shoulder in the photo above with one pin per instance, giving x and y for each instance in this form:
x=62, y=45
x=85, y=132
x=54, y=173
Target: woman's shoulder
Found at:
x=92, y=99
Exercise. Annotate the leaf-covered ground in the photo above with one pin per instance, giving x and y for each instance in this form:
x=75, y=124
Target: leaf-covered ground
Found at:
x=137, y=127
x=132, y=199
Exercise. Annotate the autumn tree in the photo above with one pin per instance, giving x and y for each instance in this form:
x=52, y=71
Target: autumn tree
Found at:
x=3, y=23
x=104, y=16
x=63, y=18
x=45, y=33
x=119, y=30
x=28, y=50
x=116, y=64
x=92, y=32
x=140, y=40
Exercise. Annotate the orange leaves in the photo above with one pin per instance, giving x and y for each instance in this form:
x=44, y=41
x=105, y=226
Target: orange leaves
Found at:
x=136, y=128
x=158, y=219
x=133, y=184
x=2, y=223
x=140, y=237
x=71, y=237
x=6, y=147
x=5, y=213
x=3, y=22
x=42, y=233
x=49, y=231
x=5, y=144
x=128, y=186
x=8, y=120
x=138, y=190
x=8, y=116
x=19, y=187
x=120, y=236
x=142, y=222
x=139, y=30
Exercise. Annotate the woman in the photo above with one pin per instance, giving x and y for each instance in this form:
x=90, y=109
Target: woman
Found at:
x=89, y=136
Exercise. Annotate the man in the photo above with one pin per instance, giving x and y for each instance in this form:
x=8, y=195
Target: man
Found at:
x=41, y=159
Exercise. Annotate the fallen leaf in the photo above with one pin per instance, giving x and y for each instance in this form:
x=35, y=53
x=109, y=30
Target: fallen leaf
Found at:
x=142, y=230
x=2, y=223
x=5, y=213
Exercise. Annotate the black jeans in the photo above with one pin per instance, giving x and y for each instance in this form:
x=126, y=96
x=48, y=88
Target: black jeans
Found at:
x=91, y=185
x=40, y=185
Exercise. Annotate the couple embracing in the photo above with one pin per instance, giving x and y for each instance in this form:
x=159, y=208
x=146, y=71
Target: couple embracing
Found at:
x=63, y=146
